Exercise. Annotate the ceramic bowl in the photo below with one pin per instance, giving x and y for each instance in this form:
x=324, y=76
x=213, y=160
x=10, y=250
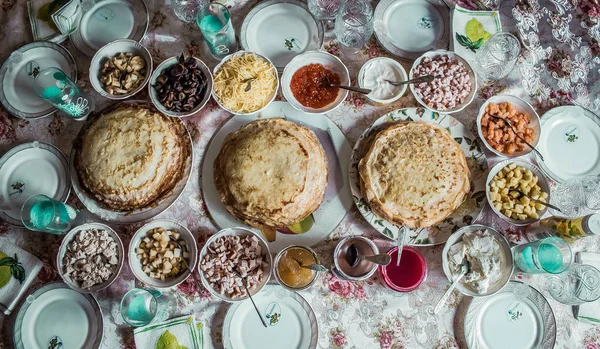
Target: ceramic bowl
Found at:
x=239, y=53
x=472, y=75
x=542, y=182
x=136, y=265
x=507, y=266
x=63, y=249
x=522, y=107
x=330, y=62
x=113, y=49
x=401, y=76
x=236, y=232
x=154, y=96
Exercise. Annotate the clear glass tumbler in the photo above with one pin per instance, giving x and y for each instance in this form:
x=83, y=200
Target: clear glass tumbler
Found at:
x=53, y=85
x=41, y=213
x=187, y=10
x=354, y=25
x=579, y=284
x=498, y=56
x=325, y=10
x=140, y=307
x=215, y=24
x=550, y=255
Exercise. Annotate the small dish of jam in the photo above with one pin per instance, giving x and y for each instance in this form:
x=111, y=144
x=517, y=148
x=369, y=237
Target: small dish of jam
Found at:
x=289, y=270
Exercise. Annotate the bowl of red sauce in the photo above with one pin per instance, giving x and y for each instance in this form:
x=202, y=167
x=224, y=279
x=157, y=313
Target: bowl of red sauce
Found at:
x=306, y=78
x=409, y=275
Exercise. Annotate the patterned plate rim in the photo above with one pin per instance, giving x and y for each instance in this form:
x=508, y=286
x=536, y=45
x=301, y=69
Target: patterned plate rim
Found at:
x=549, y=337
x=477, y=192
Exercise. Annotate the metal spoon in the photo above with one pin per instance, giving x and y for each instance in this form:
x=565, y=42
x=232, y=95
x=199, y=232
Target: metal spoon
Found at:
x=316, y=267
x=464, y=269
x=249, y=86
x=250, y=296
x=185, y=263
x=400, y=244
x=353, y=257
x=424, y=78
x=364, y=91
x=539, y=201
x=516, y=134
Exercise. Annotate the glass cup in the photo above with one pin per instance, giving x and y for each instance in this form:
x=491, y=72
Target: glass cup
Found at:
x=579, y=284
x=53, y=85
x=591, y=191
x=187, y=10
x=215, y=24
x=41, y=213
x=498, y=56
x=550, y=255
x=325, y=10
x=354, y=25
x=140, y=307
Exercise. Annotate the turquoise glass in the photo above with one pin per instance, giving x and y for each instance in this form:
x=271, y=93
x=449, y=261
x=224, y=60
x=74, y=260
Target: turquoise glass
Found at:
x=53, y=85
x=550, y=255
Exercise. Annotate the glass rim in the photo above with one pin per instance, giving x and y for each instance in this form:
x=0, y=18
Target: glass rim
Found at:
x=125, y=296
x=45, y=197
x=361, y=25
x=505, y=34
x=199, y=17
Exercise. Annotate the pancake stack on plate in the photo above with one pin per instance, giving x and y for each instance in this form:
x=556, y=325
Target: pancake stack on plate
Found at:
x=131, y=157
x=271, y=174
x=413, y=174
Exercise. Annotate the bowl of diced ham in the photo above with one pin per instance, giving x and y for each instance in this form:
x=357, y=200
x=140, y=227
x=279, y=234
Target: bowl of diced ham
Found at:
x=234, y=258
x=499, y=118
x=454, y=85
x=162, y=253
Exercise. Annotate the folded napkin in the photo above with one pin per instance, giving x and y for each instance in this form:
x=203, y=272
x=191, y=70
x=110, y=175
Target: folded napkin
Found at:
x=178, y=333
x=471, y=29
x=588, y=312
x=17, y=270
x=42, y=22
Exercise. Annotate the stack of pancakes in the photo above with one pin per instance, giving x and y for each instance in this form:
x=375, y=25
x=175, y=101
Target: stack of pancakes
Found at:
x=271, y=173
x=131, y=157
x=413, y=173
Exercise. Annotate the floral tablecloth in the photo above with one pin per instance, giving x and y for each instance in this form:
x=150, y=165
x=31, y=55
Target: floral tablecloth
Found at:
x=559, y=65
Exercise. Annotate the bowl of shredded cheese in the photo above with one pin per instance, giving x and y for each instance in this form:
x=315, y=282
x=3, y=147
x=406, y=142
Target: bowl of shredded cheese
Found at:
x=245, y=83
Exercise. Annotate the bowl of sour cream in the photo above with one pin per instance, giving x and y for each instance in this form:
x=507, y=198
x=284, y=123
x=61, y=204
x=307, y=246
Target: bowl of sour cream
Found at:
x=373, y=75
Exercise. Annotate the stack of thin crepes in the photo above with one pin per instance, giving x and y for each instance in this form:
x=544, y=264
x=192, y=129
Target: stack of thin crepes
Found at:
x=413, y=173
x=131, y=157
x=271, y=174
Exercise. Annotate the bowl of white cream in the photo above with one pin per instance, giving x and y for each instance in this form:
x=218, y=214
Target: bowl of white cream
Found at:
x=373, y=75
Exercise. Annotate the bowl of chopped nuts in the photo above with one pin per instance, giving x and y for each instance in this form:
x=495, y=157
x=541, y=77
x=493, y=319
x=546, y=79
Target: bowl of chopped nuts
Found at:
x=232, y=258
x=159, y=252
x=90, y=257
x=120, y=69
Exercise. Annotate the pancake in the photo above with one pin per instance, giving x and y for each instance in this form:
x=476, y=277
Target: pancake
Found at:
x=413, y=174
x=131, y=157
x=271, y=173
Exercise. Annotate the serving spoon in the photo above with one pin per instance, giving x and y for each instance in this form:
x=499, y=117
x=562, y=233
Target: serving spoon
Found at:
x=424, y=78
x=464, y=269
x=509, y=124
x=353, y=257
x=538, y=201
x=237, y=272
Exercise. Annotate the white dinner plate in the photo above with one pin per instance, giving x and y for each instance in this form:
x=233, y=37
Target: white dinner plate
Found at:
x=146, y=213
x=109, y=20
x=20, y=177
x=280, y=30
x=56, y=312
x=408, y=28
x=516, y=317
x=292, y=322
x=338, y=199
x=464, y=215
x=16, y=77
x=569, y=143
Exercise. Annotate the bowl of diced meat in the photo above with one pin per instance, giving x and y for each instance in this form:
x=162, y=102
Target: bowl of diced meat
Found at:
x=162, y=253
x=506, y=124
x=90, y=257
x=234, y=258
x=454, y=85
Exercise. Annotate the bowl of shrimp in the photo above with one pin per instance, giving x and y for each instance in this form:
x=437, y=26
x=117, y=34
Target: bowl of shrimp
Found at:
x=494, y=122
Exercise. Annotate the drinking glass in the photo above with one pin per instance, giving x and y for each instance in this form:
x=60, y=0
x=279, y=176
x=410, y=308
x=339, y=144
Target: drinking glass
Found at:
x=187, y=10
x=140, y=307
x=215, y=24
x=41, y=213
x=53, y=85
x=591, y=191
x=550, y=255
x=579, y=284
x=498, y=56
x=325, y=10
x=354, y=25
